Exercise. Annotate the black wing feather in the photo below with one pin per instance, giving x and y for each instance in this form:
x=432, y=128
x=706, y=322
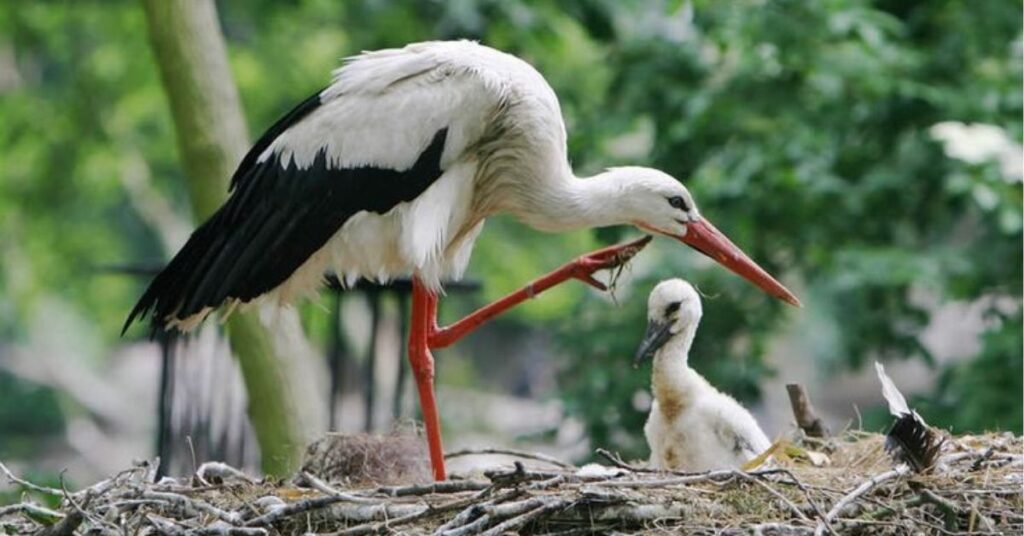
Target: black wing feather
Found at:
x=913, y=442
x=277, y=216
x=296, y=114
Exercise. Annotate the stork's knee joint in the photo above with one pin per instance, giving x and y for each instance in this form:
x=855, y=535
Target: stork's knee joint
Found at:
x=423, y=366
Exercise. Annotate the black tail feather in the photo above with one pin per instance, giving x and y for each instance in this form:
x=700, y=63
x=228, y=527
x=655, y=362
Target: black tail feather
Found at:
x=912, y=441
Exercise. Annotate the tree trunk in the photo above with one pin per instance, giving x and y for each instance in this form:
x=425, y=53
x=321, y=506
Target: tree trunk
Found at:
x=275, y=359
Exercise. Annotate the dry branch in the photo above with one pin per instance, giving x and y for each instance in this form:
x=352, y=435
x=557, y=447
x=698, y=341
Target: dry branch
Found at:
x=510, y=452
x=806, y=417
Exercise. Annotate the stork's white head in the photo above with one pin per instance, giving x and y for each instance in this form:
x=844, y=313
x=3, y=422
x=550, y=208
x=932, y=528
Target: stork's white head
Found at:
x=657, y=203
x=673, y=310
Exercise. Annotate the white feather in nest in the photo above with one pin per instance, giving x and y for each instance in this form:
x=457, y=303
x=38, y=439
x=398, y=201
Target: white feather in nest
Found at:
x=910, y=440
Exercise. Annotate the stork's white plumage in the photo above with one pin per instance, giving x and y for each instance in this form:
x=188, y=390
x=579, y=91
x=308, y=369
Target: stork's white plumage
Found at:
x=692, y=426
x=392, y=170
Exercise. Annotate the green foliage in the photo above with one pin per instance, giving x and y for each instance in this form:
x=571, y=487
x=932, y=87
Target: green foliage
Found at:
x=803, y=131
x=28, y=414
x=977, y=395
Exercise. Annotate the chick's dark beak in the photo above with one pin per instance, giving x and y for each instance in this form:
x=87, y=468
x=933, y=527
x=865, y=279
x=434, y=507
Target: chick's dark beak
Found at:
x=658, y=333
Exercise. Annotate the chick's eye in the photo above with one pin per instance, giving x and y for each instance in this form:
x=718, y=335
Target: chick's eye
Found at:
x=678, y=202
x=672, y=307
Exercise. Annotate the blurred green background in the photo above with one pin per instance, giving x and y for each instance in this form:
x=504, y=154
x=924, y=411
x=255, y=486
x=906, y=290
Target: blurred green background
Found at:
x=869, y=152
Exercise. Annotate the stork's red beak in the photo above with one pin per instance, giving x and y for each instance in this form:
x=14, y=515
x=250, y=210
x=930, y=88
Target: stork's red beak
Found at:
x=705, y=238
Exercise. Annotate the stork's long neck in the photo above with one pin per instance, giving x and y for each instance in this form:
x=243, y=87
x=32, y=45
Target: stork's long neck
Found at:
x=568, y=202
x=672, y=378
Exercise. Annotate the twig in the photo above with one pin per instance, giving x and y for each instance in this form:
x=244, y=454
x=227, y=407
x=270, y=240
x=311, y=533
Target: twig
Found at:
x=519, y=475
x=64, y=527
x=27, y=484
x=616, y=460
x=104, y=486
x=374, y=528
x=511, y=452
x=494, y=512
x=857, y=492
x=193, y=505
x=547, y=505
x=807, y=496
x=447, y=486
x=949, y=509
x=327, y=489
x=984, y=457
x=222, y=470
x=31, y=508
x=79, y=514
x=371, y=512
x=476, y=510
x=307, y=505
x=228, y=531
x=806, y=417
x=799, y=513
x=674, y=481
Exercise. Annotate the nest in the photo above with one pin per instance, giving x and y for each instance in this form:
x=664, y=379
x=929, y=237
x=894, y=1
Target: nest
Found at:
x=355, y=460
x=837, y=486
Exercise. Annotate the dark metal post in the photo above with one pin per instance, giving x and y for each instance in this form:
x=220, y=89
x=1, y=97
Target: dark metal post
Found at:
x=165, y=401
x=403, y=328
x=335, y=361
x=369, y=385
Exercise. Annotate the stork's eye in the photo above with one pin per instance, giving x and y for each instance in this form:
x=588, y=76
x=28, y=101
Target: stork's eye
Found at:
x=678, y=202
x=672, y=307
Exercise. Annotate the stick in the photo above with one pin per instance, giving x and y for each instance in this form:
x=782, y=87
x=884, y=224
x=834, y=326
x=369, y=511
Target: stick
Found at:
x=857, y=492
x=549, y=505
x=495, y=512
x=616, y=460
x=221, y=470
x=474, y=510
x=950, y=511
x=374, y=528
x=308, y=505
x=75, y=518
x=806, y=417
x=327, y=489
x=447, y=486
x=32, y=509
x=674, y=481
x=807, y=495
x=193, y=505
x=799, y=513
x=27, y=484
x=228, y=531
x=510, y=452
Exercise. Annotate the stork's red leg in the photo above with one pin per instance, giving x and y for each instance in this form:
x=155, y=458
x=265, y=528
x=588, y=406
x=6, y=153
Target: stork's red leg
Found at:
x=424, y=315
x=425, y=334
x=581, y=268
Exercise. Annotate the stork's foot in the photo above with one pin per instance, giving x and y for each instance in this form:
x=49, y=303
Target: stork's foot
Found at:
x=583, y=267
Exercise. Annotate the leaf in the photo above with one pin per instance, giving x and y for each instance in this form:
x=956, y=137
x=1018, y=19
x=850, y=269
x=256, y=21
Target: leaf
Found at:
x=818, y=459
x=777, y=447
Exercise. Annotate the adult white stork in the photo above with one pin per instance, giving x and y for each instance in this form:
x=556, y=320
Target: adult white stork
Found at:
x=390, y=171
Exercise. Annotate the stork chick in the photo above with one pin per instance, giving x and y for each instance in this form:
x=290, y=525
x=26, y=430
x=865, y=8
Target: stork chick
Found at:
x=692, y=425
